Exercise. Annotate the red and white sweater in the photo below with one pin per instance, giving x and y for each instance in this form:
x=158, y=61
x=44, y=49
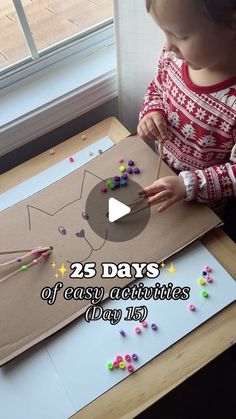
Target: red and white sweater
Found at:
x=201, y=144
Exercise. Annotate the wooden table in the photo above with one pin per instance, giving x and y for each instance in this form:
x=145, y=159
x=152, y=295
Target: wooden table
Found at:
x=184, y=358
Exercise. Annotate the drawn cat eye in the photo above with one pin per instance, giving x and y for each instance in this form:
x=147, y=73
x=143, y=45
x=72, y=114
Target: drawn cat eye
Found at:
x=62, y=230
x=85, y=215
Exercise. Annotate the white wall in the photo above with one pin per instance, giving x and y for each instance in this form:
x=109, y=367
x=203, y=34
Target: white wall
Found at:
x=138, y=42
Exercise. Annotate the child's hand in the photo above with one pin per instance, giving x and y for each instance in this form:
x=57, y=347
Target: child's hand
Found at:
x=152, y=127
x=170, y=189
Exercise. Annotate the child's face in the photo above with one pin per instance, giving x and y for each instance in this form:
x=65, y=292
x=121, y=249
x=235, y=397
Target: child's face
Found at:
x=191, y=35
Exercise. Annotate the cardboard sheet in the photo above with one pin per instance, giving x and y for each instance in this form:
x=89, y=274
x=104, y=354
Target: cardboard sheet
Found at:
x=25, y=318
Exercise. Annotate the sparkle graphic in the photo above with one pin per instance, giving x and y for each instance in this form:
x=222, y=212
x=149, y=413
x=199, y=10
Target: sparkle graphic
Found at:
x=63, y=270
x=56, y=275
x=53, y=265
x=162, y=265
x=172, y=269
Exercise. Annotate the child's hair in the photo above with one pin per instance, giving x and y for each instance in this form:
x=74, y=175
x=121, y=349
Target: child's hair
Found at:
x=221, y=11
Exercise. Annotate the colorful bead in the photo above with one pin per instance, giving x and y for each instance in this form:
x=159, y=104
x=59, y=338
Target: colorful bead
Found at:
x=122, y=365
x=18, y=259
x=191, y=307
x=122, y=332
x=83, y=137
x=45, y=254
x=137, y=330
x=123, y=182
x=130, y=368
x=154, y=326
x=116, y=178
x=119, y=358
x=120, y=159
x=24, y=267
x=124, y=176
x=34, y=252
x=115, y=364
x=122, y=169
x=208, y=269
x=201, y=281
x=127, y=357
x=136, y=170
x=109, y=181
x=104, y=189
x=135, y=357
x=204, y=293
x=51, y=151
x=100, y=151
x=209, y=279
x=130, y=162
x=144, y=324
x=35, y=261
x=71, y=159
x=117, y=185
x=204, y=273
x=112, y=186
x=110, y=365
x=129, y=170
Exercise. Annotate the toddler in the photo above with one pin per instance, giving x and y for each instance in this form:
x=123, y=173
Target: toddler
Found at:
x=191, y=103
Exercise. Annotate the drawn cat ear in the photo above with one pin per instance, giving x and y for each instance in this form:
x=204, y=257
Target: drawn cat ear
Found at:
x=31, y=209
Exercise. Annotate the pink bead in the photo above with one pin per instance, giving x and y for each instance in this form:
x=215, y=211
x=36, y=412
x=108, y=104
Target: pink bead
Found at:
x=45, y=254
x=120, y=159
x=119, y=358
x=144, y=323
x=191, y=307
x=115, y=364
x=137, y=330
x=209, y=279
x=71, y=159
x=35, y=261
x=207, y=269
x=104, y=189
x=34, y=252
x=130, y=368
x=127, y=357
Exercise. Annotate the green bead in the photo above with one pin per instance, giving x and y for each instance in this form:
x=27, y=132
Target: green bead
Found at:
x=23, y=267
x=204, y=293
x=110, y=365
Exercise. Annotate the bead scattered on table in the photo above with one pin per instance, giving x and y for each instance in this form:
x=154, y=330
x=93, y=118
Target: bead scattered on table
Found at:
x=137, y=330
x=122, y=169
x=71, y=159
x=51, y=151
x=129, y=170
x=154, y=326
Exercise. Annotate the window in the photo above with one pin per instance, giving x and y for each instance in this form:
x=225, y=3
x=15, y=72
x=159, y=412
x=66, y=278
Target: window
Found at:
x=34, y=33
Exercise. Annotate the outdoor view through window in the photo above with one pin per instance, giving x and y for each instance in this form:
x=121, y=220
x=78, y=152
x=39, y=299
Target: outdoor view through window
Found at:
x=50, y=21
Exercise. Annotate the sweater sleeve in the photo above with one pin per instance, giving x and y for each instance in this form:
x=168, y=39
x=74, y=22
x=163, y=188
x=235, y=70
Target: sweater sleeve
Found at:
x=213, y=183
x=153, y=99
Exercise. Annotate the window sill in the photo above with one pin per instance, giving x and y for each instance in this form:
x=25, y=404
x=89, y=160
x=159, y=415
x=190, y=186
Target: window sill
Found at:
x=57, y=95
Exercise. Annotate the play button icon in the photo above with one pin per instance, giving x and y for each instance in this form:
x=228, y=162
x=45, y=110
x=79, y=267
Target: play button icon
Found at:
x=109, y=214
x=116, y=210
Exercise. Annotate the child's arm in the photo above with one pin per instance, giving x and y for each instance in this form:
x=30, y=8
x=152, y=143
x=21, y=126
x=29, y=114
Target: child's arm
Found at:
x=211, y=184
x=152, y=123
x=206, y=186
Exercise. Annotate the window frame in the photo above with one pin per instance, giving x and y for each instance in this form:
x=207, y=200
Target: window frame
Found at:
x=84, y=43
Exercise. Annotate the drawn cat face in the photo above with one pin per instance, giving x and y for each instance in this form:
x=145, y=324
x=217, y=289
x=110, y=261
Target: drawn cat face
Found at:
x=67, y=229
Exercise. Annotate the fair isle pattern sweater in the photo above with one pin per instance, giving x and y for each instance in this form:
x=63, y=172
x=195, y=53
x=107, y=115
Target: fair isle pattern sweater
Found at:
x=201, y=144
